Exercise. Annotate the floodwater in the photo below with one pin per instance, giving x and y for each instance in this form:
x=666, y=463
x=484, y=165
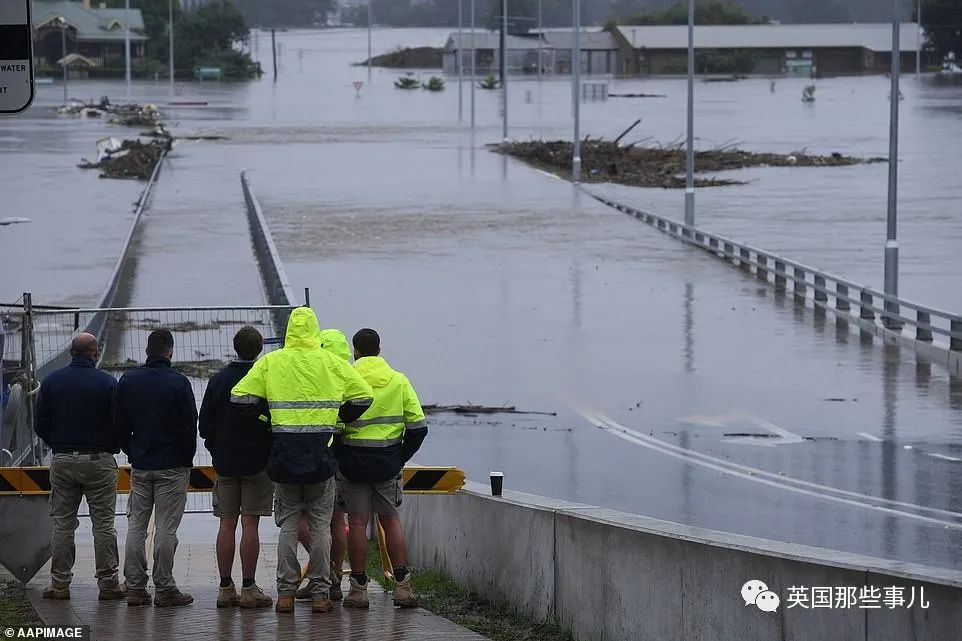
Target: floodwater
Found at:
x=493, y=283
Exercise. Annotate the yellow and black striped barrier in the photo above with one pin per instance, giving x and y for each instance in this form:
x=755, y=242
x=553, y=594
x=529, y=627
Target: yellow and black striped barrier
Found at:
x=19, y=481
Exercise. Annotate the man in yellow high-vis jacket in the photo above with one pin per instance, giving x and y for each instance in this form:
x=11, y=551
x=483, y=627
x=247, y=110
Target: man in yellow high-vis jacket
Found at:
x=370, y=454
x=309, y=391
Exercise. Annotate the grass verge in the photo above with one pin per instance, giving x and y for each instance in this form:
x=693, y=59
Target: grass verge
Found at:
x=442, y=595
x=15, y=608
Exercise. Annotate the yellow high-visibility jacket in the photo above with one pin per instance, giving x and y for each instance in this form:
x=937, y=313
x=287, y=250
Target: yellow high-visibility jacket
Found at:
x=375, y=447
x=306, y=388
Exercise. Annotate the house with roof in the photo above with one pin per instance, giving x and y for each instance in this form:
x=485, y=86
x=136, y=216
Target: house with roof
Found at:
x=94, y=34
x=800, y=49
x=552, y=47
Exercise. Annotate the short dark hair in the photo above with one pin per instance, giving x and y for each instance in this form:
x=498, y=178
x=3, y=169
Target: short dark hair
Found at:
x=367, y=343
x=248, y=343
x=160, y=343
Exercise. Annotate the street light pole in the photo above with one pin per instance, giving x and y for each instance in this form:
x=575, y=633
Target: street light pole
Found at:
x=576, y=90
x=918, y=41
x=460, y=63
x=690, y=148
x=370, y=25
x=540, y=36
x=473, y=68
x=504, y=70
x=127, y=45
x=63, y=59
x=170, y=16
x=891, y=242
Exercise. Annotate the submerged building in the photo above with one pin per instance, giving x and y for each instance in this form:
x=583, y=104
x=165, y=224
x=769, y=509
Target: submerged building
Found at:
x=94, y=34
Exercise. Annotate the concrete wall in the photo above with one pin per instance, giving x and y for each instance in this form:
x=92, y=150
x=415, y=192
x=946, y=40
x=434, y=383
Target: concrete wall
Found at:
x=619, y=577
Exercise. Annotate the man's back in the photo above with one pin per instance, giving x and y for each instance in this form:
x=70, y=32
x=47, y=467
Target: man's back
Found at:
x=156, y=416
x=237, y=436
x=74, y=409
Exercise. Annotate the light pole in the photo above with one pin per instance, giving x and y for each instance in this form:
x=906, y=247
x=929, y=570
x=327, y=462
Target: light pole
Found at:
x=504, y=70
x=690, y=147
x=63, y=49
x=127, y=45
x=540, y=35
x=473, y=68
x=460, y=63
x=576, y=90
x=370, y=25
x=891, y=242
x=170, y=18
x=918, y=41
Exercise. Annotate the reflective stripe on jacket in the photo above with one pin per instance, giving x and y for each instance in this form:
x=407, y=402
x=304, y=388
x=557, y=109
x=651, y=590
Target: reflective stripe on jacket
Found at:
x=395, y=409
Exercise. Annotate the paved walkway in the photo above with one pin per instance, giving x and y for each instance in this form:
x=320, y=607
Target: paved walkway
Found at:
x=195, y=572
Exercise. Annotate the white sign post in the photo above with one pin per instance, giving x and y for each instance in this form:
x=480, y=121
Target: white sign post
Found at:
x=16, y=56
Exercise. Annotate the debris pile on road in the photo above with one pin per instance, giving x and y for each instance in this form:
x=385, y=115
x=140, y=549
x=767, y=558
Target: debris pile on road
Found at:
x=664, y=167
x=129, y=115
x=480, y=409
x=130, y=159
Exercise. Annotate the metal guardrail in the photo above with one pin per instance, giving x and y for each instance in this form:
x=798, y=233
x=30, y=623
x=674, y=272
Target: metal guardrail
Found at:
x=822, y=288
x=276, y=283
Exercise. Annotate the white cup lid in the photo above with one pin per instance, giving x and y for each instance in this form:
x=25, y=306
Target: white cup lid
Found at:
x=497, y=473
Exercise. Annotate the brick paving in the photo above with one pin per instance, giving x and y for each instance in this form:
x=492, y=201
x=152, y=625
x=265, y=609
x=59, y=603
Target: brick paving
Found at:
x=195, y=572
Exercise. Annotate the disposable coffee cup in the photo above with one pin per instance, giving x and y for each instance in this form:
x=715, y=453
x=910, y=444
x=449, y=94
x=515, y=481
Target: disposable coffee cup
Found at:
x=497, y=482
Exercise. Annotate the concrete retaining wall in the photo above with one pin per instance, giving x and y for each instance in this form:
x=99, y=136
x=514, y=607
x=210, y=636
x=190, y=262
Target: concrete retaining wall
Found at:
x=614, y=576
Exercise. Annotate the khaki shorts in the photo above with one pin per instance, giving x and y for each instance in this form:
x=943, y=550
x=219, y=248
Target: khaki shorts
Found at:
x=365, y=498
x=246, y=495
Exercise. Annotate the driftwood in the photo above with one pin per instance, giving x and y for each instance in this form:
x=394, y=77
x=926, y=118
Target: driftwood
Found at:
x=480, y=409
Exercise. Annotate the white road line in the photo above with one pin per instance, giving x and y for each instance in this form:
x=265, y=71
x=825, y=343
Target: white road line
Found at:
x=869, y=437
x=944, y=457
x=763, y=477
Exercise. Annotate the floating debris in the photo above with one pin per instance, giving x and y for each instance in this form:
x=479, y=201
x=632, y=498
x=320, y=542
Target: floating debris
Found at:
x=480, y=409
x=407, y=82
x=130, y=115
x=14, y=220
x=664, y=167
x=191, y=369
x=435, y=83
x=128, y=159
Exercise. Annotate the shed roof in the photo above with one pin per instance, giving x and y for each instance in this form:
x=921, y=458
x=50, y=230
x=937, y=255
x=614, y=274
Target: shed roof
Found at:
x=590, y=40
x=875, y=37
x=89, y=24
x=490, y=40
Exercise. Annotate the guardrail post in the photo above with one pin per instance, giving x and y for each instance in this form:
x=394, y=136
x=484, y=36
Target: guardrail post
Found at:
x=841, y=298
x=744, y=258
x=729, y=251
x=891, y=322
x=955, y=341
x=780, y=274
x=762, y=270
x=820, y=294
x=923, y=326
x=866, y=310
x=798, y=281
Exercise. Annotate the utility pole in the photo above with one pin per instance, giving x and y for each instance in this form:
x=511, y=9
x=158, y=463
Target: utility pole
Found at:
x=170, y=16
x=918, y=42
x=63, y=59
x=370, y=26
x=576, y=90
x=274, y=52
x=540, y=36
x=891, y=241
x=460, y=63
x=474, y=56
x=690, y=148
x=127, y=45
x=504, y=70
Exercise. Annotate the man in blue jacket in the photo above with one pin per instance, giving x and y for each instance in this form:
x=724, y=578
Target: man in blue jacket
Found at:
x=238, y=438
x=73, y=417
x=156, y=419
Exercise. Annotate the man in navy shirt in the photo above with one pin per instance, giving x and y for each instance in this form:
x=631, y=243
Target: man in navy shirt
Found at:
x=73, y=417
x=156, y=419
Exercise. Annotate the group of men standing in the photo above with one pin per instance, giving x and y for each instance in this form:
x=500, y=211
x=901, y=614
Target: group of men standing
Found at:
x=299, y=433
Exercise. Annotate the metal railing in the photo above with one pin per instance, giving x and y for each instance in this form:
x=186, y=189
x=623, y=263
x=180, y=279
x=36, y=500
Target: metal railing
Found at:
x=822, y=288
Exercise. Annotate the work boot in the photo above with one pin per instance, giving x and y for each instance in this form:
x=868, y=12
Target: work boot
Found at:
x=357, y=596
x=113, y=592
x=227, y=597
x=253, y=597
x=335, y=593
x=138, y=597
x=285, y=603
x=172, y=598
x=56, y=592
x=404, y=595
x=321, y=603
x=306, y=593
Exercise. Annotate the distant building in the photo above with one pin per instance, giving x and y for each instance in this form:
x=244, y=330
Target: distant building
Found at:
x=599, y=52
x=95, y=34
x=799, y=49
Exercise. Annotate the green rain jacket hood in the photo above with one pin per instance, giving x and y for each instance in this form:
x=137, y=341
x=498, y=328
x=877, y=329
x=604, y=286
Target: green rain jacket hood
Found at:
x=334, y=341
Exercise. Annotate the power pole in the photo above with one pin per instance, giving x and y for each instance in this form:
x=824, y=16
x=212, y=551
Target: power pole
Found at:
x=170, y=16
x=127, y=45
x=576, y=90
x=473, y=67
x=690, y=148
x=460, y=63
x=891, y=236
x=504, y=70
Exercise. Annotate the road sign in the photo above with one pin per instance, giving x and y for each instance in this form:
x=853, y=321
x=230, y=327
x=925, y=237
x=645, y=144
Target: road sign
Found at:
x=16, y=56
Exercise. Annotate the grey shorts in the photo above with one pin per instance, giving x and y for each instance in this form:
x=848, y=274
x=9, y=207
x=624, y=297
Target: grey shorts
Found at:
x=365, y=498
x=246, y=495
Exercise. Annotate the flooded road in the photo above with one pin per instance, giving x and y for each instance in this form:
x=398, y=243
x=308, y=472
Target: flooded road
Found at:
x=493, y=283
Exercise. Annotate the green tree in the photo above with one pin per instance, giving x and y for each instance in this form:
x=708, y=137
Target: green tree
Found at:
x=942, y=21
x=706, y=12
x=286, y=13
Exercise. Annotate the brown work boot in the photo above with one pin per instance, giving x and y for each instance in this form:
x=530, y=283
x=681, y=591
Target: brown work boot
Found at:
x=172, y=598
x=254, y=597
x=138, y=597
x=285, y=603
x=404, y=595
x=227, y=597
x=113, y=592
x=57, y=592
x=357, y=596
x=335, y=593
x=321, y=603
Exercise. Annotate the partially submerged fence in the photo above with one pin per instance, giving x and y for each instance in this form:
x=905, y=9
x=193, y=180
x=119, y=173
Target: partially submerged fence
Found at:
x=933, y=333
